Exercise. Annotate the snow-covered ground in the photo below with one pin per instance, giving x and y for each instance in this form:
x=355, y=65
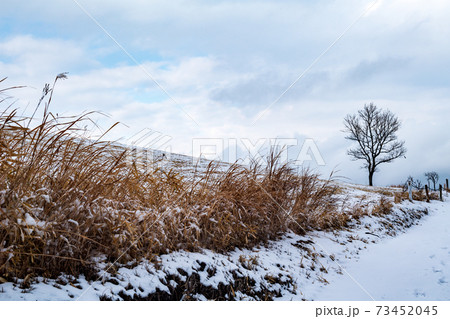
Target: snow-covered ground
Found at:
x=412, y=266
x=402, y=255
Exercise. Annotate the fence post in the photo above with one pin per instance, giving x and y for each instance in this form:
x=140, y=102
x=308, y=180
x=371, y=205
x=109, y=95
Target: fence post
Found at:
x=440, y=193
x=446, y=182
x=428, y=194
x=410, y=191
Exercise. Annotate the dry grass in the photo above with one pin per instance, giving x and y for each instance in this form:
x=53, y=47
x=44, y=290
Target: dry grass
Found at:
x=383, y=207
x=66, y=202
x=416, y=195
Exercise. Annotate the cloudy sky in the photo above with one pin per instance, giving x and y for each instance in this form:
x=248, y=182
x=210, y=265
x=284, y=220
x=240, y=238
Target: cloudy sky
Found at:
x=218, y=70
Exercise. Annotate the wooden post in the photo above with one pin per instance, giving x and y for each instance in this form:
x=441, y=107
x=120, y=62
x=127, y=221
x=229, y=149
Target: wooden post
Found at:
x=410, y=191
x=440, y=193
x=446, y=182
x=428, y=194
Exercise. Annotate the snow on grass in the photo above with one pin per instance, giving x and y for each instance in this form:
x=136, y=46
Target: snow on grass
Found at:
x=309, y=267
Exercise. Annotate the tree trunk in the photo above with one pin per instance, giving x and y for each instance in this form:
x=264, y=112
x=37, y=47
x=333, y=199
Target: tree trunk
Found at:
x=371, y=178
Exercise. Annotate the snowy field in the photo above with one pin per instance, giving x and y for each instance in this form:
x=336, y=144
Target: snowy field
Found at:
x=404, y=255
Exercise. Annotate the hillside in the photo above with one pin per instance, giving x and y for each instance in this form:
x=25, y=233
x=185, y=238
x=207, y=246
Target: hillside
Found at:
x=92, y=219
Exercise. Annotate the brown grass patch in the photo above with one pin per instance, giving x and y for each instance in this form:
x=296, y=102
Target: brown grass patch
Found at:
x=66, y=201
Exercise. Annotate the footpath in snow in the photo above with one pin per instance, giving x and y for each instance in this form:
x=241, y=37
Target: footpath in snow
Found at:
x=412, y=266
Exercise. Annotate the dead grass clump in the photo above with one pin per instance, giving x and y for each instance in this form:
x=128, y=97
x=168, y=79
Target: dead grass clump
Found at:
x=383, y=207
x=244, y=206
x=358, y=211
x=315, y=203
x=419, y=195
x=434, y=195
x=67, y=202
x=399, y=197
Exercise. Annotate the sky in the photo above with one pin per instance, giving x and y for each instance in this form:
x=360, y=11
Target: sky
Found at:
x=183, y=75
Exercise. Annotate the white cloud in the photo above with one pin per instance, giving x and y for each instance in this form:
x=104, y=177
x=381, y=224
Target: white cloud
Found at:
x=224, y=62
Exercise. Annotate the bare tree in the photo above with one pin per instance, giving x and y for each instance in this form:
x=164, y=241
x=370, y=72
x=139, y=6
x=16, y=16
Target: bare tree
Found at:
x=415, y=183
x=374, y=130
x=432, y=177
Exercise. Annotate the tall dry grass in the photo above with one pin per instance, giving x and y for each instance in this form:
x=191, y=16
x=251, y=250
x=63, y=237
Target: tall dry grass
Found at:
x=67, y=202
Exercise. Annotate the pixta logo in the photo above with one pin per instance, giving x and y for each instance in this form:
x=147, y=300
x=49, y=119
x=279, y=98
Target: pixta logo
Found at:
x=245, y=150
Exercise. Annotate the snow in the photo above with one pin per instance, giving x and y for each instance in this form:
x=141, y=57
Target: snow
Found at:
x=413, y=266
x=358, y=263
x=29, y=220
